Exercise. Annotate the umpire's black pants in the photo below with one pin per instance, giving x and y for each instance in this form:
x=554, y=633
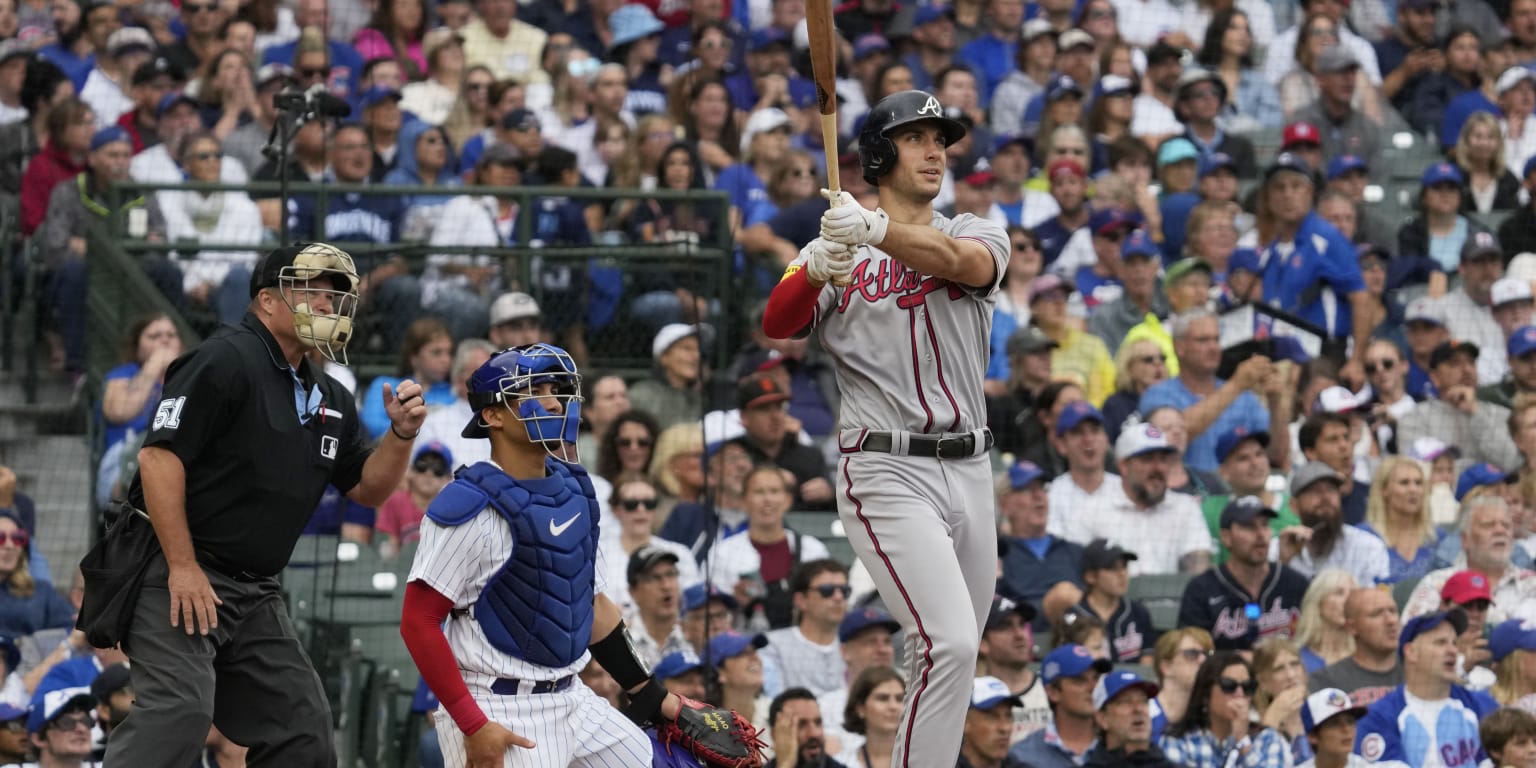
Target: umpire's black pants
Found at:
x=250, y=677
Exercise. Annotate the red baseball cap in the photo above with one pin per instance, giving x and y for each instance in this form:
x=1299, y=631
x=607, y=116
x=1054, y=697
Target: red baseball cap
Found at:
x=1065, y=165
x=1465, y=586
x=1300, y=133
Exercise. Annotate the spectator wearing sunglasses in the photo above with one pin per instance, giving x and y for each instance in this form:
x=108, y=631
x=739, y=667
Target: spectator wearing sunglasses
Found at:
x=28, y=603
x=627, y=529
x=60, y=726
x=1215, y=730
x=400, y=515
x=808, y=654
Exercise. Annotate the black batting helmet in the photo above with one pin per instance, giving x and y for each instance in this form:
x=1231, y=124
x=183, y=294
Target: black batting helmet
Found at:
x=877, y=153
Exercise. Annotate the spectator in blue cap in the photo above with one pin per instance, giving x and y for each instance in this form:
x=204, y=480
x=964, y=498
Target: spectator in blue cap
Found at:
x=1218, y=178
x=866, y=642
x=1512, y=647
x=399, y=517
x=1033, y=559
x=989, y=726
x=739, y=671
x=1137, y=272
x=682, y=673
x=1440, y=230
x=1122, y=700
x=1079, y=437
x=1328, y=721
x=1070, y=674
x=1520, y=352
x=1441, y=717
x=707, y=612
x=1247, y=599
x=1241, y=285
x=769, y=80
x=60, y=726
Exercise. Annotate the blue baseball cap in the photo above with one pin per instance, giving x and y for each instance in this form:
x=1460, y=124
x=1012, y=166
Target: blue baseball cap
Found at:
x=1070, y=660
x=1076, y=413
x=988, y=692
x=631, y=22
x=1216, y=161
x=1022, y=473
x=1288, y=161
x=1117, y=682
x=9, y=712
x=1229, y=440
x=868, y=44
x=1522, y=341
x=438, y=448
x=1418, y=625
x=1061, y=87
x=1245, y=259
x=858, y=621
x=1006, y=140
x=695, y=596
x=676, y=664
x=931, y=12
x=727, y=645
x=109, y=135
x=377, y=95
x=1441, y=173
x=170, y=100
x=1176, y=150
x=53, y=703
x=768, y=36
x=1479, y=475
x=1112, y=217
x=1139, y=244
x=1513, y=635
x=1345, y=164
x=1323, y=705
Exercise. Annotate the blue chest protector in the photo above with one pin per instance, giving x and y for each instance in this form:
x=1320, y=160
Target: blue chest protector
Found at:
x=538, y=606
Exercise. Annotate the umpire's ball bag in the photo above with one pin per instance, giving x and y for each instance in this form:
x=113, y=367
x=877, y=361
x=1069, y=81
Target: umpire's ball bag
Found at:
x=114, y=572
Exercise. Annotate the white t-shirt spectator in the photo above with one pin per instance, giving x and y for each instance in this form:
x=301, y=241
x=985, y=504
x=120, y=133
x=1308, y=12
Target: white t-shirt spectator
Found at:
x=1358, y=552
x=1159, y=536
x=790, y=659
x=617, y=562
x=735, y=557
x=1150, y=117
x=1068, y=499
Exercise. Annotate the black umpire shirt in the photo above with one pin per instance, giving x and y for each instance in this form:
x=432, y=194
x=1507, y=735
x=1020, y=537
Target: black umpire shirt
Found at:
x=1237, y=620
x=255, y=469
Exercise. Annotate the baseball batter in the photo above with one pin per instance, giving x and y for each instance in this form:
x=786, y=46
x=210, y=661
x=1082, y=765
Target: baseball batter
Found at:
x=508, y=559
x=908, y=333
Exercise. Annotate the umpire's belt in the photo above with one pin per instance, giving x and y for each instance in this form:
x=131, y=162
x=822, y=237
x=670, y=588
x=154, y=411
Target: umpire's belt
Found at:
x=508, y=686
x=927, y=446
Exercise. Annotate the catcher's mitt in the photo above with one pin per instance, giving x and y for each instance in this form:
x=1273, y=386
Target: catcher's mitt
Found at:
x=720, y=738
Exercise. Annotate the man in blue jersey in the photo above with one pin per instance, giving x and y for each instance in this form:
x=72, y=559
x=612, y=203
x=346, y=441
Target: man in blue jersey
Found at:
x=1308, y=267
x=1429, y=720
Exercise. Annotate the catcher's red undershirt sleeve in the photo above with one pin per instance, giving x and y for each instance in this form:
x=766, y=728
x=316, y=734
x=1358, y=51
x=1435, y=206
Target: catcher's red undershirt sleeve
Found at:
x=791, y=306
x=421, y=626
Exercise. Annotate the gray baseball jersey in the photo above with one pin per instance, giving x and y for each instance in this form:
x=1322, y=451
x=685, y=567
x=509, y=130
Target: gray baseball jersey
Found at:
x=911, y=353
x=911, y=349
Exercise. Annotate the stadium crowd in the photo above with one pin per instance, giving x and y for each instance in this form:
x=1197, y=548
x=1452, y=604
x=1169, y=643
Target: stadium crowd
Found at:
x=1266, y=429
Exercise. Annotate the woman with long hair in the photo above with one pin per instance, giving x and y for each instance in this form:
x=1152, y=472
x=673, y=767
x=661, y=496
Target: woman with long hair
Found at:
x=663, y=297
x=471, y=112
x=1215, y=731
x=1514, y=647
x=1138, y=365
x=131, y=394
x=708, y=123
x=432, y=98
x=426, y=356
x=628, y=446
x=395, y=32
x=873, y=712
x=609, y=144
x=1213, y=235
x=71, y=124
x=1228, y=51
x=1463, y=49
x=636, y=44
x=226, y=91
x=28, y=602
x=1397, y=511
x=632, y=510
x=1176, y=659
x=1282, y=691
x=1110, y=116
x=1320, y=631
x=891, y=78
x=1479, y=153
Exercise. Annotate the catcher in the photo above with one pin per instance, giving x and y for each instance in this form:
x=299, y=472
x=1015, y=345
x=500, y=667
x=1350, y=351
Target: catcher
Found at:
x=508, y=560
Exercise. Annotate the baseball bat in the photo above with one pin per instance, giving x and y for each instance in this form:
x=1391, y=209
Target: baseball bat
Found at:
x=823, y=42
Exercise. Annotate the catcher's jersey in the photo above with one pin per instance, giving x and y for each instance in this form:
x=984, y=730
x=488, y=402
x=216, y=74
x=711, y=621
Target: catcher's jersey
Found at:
x=458, y=562
x=911, y=349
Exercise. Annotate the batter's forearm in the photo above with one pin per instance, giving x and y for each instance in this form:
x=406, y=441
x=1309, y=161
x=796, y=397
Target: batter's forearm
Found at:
x=931, y=252
x=165, y=500
x=382, y=471
x=791, y=306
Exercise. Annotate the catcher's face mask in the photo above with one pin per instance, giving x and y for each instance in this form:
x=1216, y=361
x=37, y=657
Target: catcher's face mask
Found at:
x=320, y=288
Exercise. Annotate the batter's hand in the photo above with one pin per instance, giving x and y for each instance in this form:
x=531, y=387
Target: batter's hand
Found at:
x=488, y=747
x=406, y=408
x=827, y=262
x=849, y=223
x=194, y=604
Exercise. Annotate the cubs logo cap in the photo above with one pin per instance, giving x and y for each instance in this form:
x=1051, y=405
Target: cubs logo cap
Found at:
x=1118, y=682
x=1522, y=342
x=1229, y=440
x=729, y=645
x=1466, y=586
x=1141, y=439
x=1326, y=704
x=1513, y=635
x=1070, y=660
x=697, y=595
x=1076, y=413
x=1022, y=473
x=1418, y=625
x=676, y=664
x=1479, y=475
x=858, y=621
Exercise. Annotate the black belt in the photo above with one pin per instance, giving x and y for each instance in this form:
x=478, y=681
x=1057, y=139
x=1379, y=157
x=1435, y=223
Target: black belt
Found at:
x=925, y=446
x=507, y=686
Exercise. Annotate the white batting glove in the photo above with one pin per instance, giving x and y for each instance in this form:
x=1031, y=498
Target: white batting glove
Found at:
x=849, y=223
x=827, y=262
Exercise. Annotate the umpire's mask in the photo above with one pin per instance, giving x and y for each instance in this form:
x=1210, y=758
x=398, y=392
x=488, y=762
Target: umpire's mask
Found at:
x=303, y=286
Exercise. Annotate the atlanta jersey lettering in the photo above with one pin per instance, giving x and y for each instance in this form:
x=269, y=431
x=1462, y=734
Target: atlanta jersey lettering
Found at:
x=913, y=355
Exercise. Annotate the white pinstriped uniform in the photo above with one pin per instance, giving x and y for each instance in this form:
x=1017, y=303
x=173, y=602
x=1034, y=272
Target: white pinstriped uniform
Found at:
x=574, y=727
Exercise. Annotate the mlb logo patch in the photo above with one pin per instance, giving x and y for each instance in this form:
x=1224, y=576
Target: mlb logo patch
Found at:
x=328, y=446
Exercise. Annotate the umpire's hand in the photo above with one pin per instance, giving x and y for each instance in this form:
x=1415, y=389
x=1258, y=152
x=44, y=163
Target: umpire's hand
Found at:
x=406, y=408
x=194, y=604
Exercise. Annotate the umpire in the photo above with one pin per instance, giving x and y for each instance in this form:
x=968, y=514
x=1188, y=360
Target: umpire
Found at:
x=248, y=434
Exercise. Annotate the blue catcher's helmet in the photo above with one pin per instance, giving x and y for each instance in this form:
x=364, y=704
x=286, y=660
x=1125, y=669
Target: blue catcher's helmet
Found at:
x=509, y=379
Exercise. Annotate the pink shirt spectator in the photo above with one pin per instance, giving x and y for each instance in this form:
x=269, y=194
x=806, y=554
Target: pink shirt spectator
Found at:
x=370, y=44
x=400, y=518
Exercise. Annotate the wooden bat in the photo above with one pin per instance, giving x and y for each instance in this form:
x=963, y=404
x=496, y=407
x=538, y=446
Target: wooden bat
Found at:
x=823, y=42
